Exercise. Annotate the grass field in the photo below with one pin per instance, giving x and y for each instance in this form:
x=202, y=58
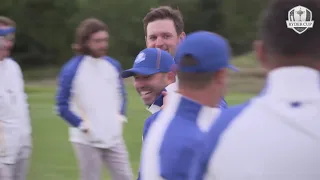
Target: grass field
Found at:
x=53, y=157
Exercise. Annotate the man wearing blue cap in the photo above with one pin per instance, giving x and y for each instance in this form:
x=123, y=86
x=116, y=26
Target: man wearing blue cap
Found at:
x=15, y=127
x=275, y=135
x=152, y=74
x=202, y=62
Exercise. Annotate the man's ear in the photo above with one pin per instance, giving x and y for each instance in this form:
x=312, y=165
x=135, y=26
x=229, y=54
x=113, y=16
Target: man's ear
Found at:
x=171, y=76
x=145, y=39
x=220, y=76
x=182, y=36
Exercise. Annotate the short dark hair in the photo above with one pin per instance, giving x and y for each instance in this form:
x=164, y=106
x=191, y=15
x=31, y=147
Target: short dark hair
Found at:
x=84, y=31
x=280, y=40
x=193, y=80
x=164, y=12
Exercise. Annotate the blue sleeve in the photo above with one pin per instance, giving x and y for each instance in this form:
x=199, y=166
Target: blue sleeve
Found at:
x=181, y=164
x=123, y=91
x=64, y=92
x=211, y=139
x=148, y=122
x=199, y=162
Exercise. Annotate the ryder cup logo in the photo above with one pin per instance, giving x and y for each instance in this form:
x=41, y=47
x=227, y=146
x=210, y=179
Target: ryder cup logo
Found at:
x=299, y=19
x=141, y=57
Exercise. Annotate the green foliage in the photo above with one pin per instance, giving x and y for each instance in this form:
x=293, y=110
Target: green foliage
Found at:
x=46, y=28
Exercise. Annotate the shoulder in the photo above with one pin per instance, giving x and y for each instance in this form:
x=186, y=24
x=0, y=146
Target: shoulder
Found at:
x=222, y=123
x=150, y=120
x=114, y=62
x=13, y=63
x=181, y=134
x=227, y=116
x=71, y=65
x=14, y=66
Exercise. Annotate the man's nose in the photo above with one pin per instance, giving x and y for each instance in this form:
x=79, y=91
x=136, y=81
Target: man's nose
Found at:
x=159, y=42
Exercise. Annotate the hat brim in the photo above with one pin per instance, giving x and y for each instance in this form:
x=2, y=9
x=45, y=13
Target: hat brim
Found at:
x=140, y=71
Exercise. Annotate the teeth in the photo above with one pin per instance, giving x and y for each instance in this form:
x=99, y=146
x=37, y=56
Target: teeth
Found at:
x=144, y=92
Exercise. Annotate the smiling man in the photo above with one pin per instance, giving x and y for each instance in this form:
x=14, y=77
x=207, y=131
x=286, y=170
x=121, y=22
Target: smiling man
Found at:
x=164, y=28
x=152, y=73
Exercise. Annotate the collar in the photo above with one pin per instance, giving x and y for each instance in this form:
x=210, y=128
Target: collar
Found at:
x=298, y=82
x=156, y=106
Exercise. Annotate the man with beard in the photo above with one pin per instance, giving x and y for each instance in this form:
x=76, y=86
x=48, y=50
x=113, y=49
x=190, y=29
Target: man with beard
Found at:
x=92, y=99
x=15, y=127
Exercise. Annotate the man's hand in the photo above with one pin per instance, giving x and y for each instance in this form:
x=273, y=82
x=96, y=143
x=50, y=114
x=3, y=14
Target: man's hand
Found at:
x=122, y=118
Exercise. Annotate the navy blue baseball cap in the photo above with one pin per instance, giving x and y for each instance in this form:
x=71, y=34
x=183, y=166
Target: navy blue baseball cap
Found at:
x=150, y=61
x=211, y=51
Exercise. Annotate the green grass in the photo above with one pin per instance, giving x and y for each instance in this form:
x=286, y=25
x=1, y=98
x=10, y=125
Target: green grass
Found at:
x=53, y=157
x=246, y=61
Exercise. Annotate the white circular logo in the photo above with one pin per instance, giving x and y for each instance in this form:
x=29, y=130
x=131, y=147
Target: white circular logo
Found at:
x=141, y=57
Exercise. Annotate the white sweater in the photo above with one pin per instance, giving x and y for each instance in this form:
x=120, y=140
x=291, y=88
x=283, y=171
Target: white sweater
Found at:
x=15, y=127
x=91, y=90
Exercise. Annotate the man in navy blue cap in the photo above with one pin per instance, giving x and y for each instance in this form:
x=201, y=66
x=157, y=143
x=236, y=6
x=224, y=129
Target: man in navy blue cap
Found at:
x=202, y=63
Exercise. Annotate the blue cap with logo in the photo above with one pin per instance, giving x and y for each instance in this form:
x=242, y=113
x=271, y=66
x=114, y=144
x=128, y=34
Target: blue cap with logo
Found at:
x=211, y=51
x=150, y=61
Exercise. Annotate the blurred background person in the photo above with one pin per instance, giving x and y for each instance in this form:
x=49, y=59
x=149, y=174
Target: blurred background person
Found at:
x=91, y=97
x=15, y=125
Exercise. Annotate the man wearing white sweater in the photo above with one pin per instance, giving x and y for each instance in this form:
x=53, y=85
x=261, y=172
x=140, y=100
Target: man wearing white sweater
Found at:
x=91, y=97
x=15, y=128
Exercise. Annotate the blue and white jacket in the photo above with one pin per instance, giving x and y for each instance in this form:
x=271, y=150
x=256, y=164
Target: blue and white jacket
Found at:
x=272, y=136
x=170, y=134
x=91, y=90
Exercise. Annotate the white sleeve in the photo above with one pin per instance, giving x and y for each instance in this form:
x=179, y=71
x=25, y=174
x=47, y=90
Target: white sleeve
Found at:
x=23, y=97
